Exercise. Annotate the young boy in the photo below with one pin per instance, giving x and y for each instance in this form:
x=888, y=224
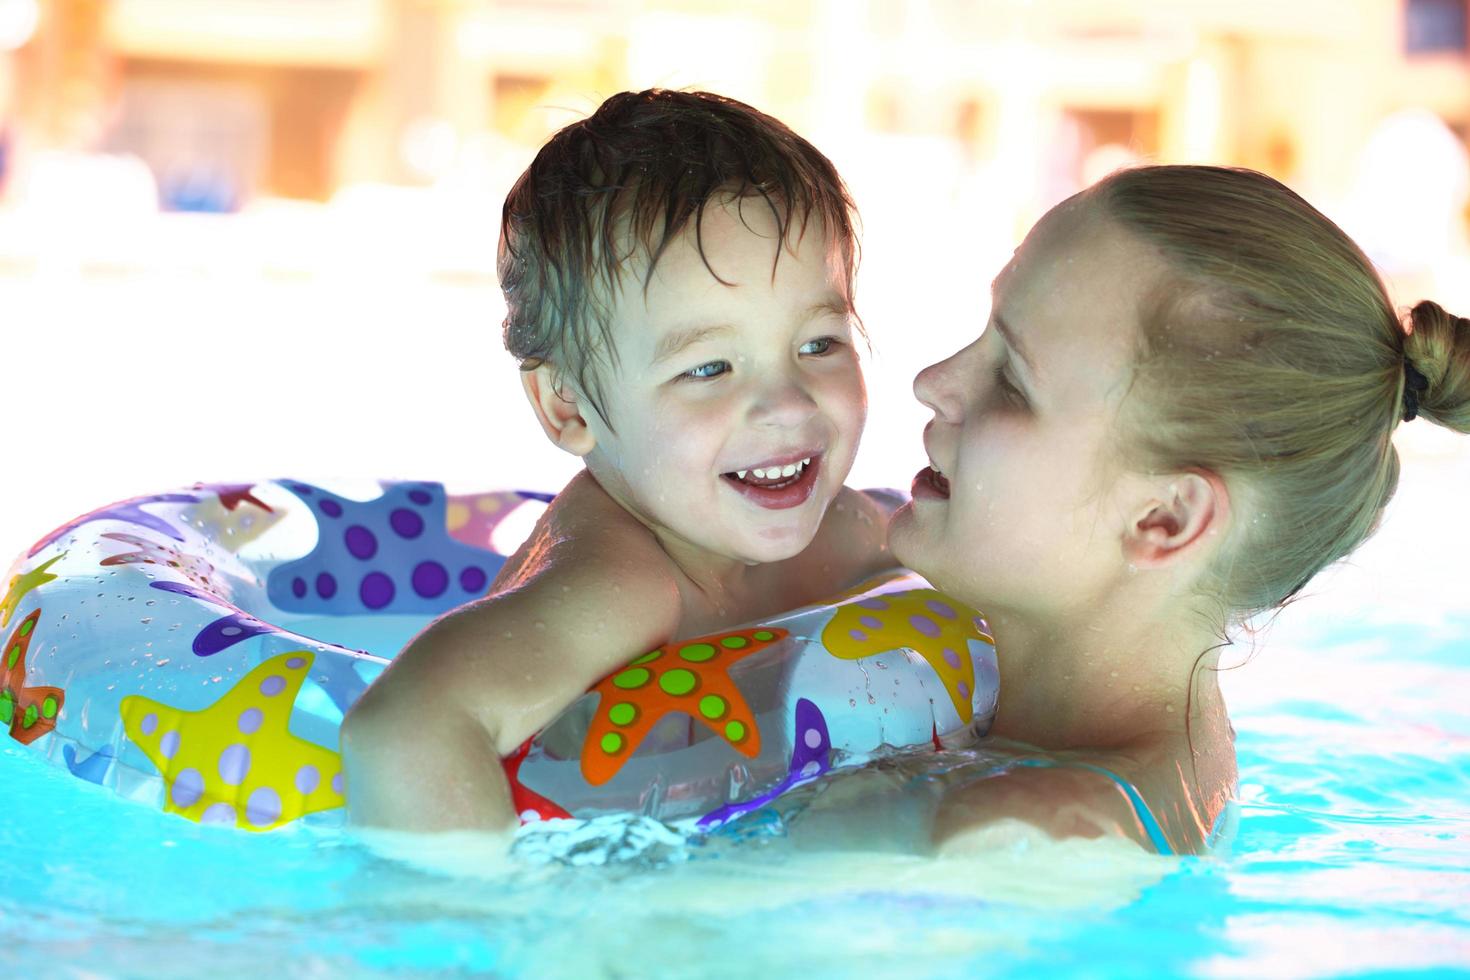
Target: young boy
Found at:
x=678, y=273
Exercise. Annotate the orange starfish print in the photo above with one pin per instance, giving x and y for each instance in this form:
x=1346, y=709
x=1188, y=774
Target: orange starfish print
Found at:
x=691, y=677
x=29, y=711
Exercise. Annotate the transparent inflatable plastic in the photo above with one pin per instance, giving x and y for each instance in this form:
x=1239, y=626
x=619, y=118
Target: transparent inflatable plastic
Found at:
x=196, y=651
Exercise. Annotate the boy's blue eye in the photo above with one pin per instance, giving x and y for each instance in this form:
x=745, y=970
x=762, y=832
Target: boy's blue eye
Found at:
x=823, y=345
x=712, y=369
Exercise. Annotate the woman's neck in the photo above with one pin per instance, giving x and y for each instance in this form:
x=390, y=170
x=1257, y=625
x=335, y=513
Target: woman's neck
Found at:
x=1101, y=684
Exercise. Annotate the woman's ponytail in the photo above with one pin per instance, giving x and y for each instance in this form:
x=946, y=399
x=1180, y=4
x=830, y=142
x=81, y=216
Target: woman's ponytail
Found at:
x=1438, y=348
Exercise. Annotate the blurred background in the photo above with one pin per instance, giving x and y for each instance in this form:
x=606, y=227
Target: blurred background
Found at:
x=247, y=238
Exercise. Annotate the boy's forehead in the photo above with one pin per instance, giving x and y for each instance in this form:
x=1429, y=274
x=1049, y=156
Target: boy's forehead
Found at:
x=734, y=259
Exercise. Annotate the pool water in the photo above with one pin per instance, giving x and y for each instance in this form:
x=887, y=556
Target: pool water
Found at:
x=1351, y=855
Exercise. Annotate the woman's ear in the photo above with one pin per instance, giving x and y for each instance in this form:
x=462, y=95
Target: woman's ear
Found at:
x=1194, y=509
x=558, y=409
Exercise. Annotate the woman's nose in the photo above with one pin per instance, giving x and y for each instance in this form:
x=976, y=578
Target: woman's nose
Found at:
x=937, y=388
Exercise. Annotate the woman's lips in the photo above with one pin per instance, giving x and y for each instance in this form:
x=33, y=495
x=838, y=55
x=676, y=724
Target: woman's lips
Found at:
x=930, y=485
x=792, y=494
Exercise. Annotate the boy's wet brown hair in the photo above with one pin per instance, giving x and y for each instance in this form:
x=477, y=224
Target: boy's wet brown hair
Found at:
x=619, y=187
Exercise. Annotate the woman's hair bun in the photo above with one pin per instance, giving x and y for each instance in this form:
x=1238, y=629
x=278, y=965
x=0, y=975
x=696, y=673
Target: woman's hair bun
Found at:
x=1438, y=347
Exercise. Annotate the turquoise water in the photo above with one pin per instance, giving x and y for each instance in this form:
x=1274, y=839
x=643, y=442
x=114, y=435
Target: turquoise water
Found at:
x=1352, y=856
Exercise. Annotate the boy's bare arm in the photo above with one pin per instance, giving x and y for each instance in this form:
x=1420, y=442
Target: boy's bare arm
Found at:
x=422, y=748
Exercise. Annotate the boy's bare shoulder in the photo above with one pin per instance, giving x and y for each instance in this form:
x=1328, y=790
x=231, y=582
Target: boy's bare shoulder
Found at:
x=592, y=559
x=586, y=594
x=587, y=538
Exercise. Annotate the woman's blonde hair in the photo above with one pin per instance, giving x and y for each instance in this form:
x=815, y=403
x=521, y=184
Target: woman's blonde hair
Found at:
x=1272, y=355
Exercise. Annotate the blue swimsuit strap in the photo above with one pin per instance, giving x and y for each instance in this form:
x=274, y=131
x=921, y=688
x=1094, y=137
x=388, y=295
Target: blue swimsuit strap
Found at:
x=1140, y=808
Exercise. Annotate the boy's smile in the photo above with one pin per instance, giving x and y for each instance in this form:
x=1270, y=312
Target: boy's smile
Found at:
x=736, y=406
x=779, y=483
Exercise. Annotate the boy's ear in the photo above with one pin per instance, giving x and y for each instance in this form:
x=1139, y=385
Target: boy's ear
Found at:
x=557, y=409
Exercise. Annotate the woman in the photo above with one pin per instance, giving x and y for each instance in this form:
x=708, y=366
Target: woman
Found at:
x=1180, y=412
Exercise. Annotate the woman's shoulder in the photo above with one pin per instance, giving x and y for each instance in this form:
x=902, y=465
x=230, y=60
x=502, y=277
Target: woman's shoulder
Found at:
x=1157, y=792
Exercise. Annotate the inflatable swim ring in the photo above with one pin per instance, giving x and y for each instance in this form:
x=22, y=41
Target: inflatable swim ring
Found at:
x=196, y=650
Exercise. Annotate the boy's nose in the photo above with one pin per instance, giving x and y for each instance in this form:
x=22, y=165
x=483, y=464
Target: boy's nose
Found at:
x=783, y=406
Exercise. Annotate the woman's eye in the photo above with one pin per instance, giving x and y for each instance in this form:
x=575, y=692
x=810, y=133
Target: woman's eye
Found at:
x=712, y=369
x=820, y=346
x=1008, y=391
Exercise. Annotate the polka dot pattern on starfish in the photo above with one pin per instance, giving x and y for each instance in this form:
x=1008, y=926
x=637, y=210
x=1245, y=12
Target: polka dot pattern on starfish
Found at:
x=392, y=554
x=690, y=677
x=473, y=518
x=930, y=623
x=235, y=762
x=30, y=712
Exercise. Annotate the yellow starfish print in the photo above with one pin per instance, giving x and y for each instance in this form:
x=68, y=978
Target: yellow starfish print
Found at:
x=235, y=762
x=928, y=622
x=21, y=584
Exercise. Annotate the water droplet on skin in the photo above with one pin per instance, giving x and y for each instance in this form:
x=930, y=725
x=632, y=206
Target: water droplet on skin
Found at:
x=1169, y=708
x=508, y=635
x=540, y=625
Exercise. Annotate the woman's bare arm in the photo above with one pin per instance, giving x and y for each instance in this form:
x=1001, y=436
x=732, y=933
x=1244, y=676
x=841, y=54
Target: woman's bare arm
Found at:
x=1060, y=801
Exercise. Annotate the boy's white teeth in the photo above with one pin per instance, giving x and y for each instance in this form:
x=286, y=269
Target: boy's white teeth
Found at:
x=774, y=472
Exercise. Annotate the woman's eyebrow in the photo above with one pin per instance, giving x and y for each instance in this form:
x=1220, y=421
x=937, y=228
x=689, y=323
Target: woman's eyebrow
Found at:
x=1009, y=335
x=1013, y=342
